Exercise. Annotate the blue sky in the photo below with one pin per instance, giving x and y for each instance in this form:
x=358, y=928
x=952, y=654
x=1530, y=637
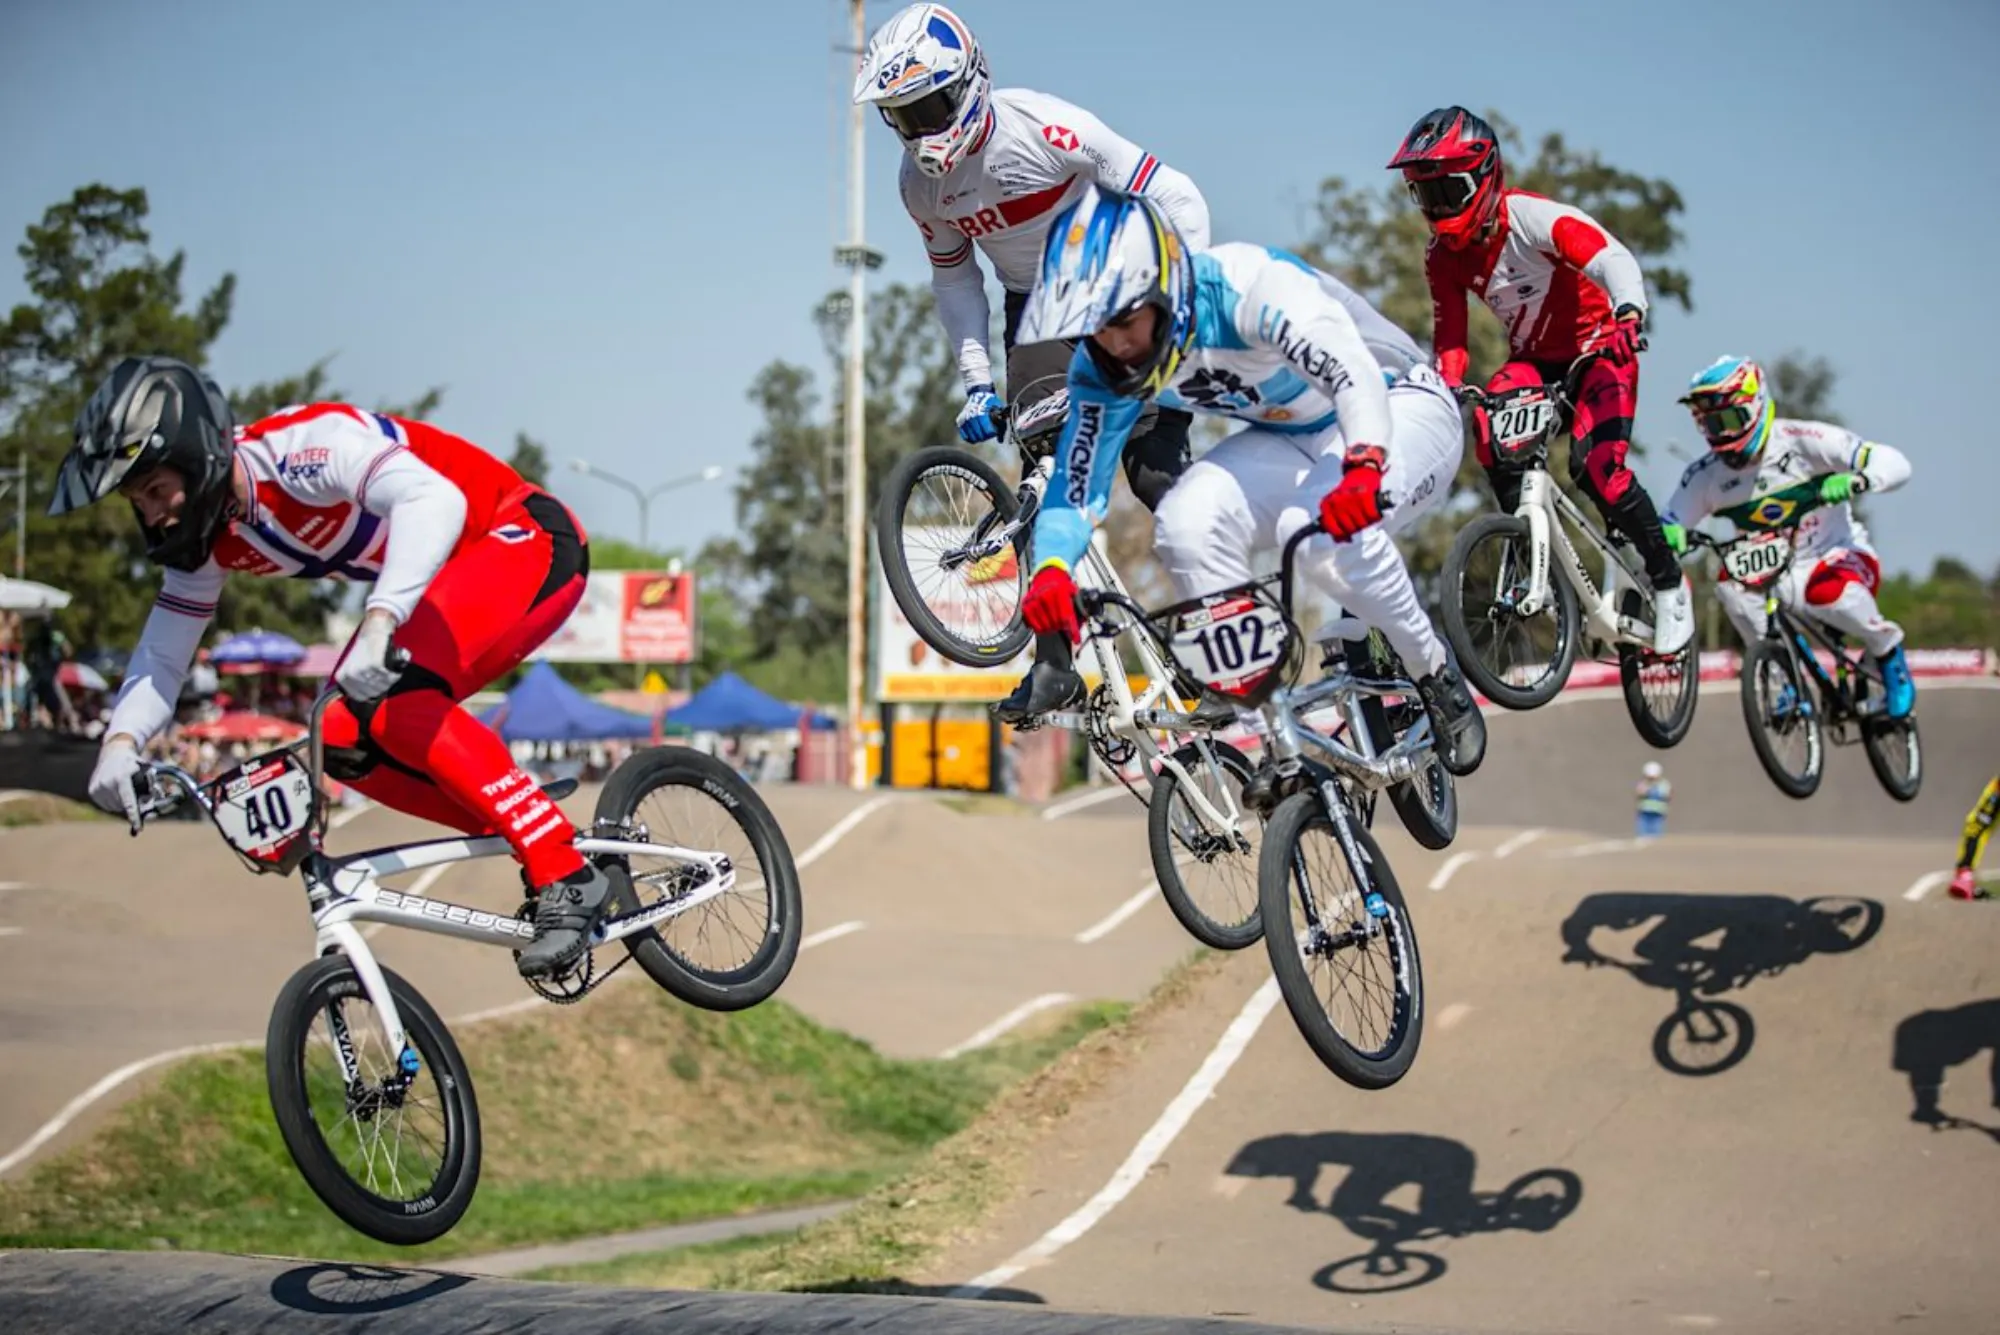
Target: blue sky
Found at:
x=595, y=221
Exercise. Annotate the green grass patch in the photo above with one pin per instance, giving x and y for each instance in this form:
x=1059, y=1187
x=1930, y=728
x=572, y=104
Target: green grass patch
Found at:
x=904, y=1224
x=629, y=1111
x=45, y=809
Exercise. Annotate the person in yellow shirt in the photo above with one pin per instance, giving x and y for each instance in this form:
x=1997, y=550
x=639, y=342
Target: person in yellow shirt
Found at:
x=1978, y=827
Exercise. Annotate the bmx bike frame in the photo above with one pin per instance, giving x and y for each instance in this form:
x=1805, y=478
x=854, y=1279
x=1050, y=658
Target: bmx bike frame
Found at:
x=345, y=891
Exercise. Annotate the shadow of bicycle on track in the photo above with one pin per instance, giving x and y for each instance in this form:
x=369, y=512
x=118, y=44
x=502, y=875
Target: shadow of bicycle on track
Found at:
x=1380, y=1165
x=1701, y=946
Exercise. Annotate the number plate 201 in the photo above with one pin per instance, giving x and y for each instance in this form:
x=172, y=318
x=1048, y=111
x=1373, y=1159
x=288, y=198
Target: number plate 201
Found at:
x=1522, y=423
x=1232, y=644
x=264, y=803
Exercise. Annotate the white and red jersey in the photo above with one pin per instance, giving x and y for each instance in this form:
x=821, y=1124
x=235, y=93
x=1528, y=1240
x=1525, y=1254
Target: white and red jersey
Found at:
x=1036, y=156
x=1796, y=451
x=1549, y=271
x=325, y=479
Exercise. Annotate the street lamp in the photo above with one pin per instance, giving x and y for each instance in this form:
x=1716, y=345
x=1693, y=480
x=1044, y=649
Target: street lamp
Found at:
x=642, y=495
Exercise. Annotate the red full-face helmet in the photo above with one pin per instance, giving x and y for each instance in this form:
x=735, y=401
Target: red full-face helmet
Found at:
x=1450, y=161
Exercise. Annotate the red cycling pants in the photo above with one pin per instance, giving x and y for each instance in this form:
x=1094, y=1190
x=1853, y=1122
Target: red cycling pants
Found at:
x=418, y=750
x=1606, y=402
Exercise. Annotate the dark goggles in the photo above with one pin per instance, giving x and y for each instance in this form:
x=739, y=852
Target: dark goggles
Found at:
x=1441, y=197
x=933, y=113
x=1725, y=423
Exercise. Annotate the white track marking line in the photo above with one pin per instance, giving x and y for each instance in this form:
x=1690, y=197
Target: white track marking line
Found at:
x=54, y=1126
x=1006, y=1022
x=1443, y=874
x=1110, y=923
x=1089, y=799
x=1518, y=842
x=13, y=885
x=348, y=814
x=825, y=842
x=1602, y=846
x=12, y=931
x=1926, y=883
x=1198, y=1090
x=77, y=1105
x=833, y=933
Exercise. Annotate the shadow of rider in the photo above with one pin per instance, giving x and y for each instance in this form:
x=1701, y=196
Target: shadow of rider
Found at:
x=1930, y=1041
x=1711, y=944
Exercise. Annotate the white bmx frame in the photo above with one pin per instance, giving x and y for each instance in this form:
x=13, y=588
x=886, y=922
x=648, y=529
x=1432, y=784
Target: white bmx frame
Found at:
x=1543, y=506
x=343, y=892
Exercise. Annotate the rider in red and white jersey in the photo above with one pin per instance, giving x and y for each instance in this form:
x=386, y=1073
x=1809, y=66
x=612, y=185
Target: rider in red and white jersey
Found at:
x=1562, y=286
x=472, y=568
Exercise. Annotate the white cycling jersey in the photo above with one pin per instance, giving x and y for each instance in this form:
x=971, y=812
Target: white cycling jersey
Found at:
x=1037, y=155
x=1796, y=451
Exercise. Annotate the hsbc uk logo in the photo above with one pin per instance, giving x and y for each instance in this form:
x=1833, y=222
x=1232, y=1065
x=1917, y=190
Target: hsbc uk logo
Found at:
x=1062, y=137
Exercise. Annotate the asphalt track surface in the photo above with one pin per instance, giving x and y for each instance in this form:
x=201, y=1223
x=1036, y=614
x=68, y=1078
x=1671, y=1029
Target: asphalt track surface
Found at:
x=1658, y=1090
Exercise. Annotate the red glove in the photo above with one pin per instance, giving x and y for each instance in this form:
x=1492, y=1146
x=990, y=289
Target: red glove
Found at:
x=1622, y=347
x=1051, y=604
x=1357, y=502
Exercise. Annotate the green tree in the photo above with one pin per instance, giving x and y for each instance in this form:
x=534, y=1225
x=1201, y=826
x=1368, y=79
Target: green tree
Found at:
x=1803, y=387
x=99, y=293
x=530, y=459
x=1950, y=608
x=786, y=568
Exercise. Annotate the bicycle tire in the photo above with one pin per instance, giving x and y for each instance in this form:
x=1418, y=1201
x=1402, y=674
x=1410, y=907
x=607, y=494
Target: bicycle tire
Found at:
x=1168, y=845
x=1780, y=655
x=739, y=986
x=1428, y=803
x=1384, y=1066
x=1662, y=733
x=1460, y=632
x=1732, y=1032
x=402, y=1223
x=902, y=481
x=1905, y=783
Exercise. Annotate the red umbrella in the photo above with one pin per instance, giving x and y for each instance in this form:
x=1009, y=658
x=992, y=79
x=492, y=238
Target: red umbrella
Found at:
x=244, y=726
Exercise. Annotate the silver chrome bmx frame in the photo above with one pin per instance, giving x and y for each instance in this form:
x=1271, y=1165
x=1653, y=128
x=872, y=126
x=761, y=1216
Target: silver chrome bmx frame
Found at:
x=346, y=891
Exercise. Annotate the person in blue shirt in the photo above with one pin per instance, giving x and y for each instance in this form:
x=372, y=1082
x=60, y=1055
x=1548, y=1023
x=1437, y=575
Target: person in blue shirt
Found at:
x=1654, y=793
x=1347, y=421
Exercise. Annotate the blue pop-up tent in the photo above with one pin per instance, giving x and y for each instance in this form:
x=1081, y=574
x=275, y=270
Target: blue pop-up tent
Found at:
x=731, y=704
x=543, y=707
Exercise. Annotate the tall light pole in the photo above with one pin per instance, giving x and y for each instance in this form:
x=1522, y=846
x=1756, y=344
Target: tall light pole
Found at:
x=859, y=259
x=645, y=496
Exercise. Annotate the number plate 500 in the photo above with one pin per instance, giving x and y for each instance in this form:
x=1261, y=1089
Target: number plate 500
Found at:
x=1758, y=560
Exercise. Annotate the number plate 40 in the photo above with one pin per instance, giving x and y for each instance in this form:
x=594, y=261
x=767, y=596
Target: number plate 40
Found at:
x=261, y=805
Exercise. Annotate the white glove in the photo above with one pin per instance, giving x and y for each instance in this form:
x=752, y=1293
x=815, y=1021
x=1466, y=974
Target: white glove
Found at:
x=364, y=672
x=111, y=782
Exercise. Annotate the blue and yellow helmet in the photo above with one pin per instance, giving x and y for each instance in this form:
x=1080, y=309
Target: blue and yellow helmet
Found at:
x=1732, y=407
x=1107, y=255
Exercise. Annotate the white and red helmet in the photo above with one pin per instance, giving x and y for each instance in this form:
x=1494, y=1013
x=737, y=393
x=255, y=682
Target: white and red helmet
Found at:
x=925, y=73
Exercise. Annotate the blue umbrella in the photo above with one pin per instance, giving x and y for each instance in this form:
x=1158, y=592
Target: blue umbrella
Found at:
x=258, y=646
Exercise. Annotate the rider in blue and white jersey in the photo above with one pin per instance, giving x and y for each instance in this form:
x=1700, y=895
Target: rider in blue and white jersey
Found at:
x=1347, y=420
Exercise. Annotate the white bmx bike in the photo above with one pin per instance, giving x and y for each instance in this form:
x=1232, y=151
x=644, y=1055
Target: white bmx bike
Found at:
x=370, y=1093
x=1518, y=603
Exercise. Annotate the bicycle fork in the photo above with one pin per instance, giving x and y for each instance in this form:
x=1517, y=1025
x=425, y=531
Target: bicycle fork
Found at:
x=345, y=939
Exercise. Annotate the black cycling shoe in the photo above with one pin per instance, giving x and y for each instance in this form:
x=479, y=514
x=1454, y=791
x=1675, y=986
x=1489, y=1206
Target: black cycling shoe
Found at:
x=565, y=914
x=1455, y=718
x=1213, y=713
x=1046, y=688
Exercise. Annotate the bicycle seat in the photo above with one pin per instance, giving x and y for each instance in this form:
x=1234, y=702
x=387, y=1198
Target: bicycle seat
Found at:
x=557, y=789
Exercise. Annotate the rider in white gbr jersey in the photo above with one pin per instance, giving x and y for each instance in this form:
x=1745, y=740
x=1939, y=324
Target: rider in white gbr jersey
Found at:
x=986, y=170
x=1346, y=420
